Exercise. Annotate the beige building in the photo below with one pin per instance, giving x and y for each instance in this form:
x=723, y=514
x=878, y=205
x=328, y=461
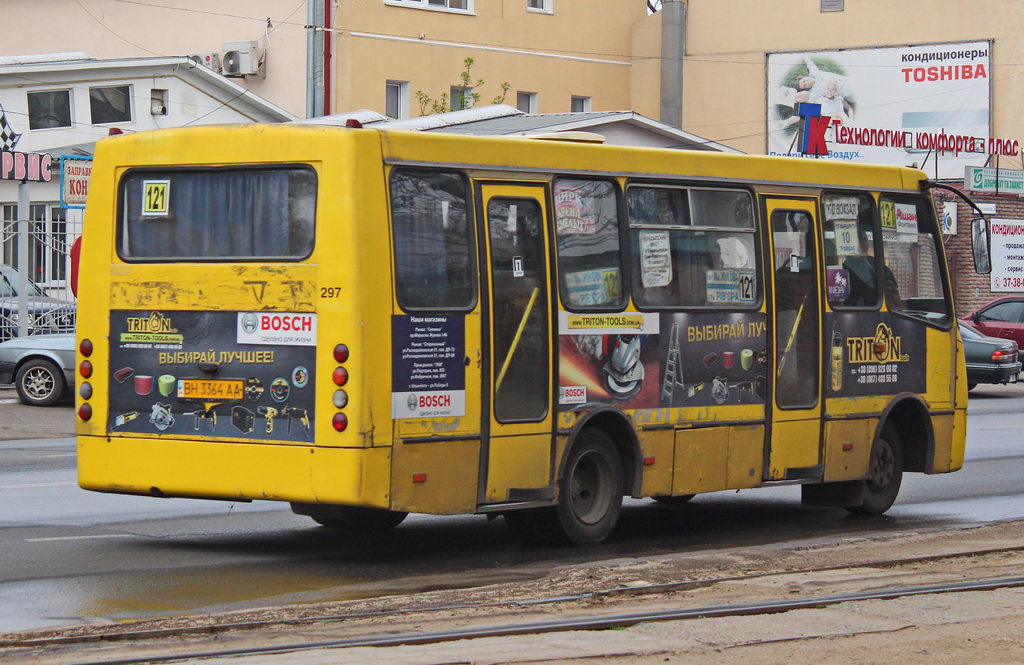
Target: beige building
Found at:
x=728, y=43
x=555, y=55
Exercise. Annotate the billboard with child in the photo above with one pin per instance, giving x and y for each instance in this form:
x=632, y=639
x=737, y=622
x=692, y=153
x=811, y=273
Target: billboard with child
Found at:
x=895, y=105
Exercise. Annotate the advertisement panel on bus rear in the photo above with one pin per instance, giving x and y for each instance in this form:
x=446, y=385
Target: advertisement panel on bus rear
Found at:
x=237, y=375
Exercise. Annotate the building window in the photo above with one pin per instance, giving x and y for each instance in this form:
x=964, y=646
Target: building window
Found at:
x=110, y=104
x=462, y=98
x=451, y=5
x=541, y=6
x=580, y=104
x=526, y=102
x=49, y=108
x=831, y=5
x=396, y=102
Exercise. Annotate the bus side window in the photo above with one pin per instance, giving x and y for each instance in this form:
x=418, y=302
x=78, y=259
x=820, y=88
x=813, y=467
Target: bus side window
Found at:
x=852, y=264
x=587, y=234
x=433, y=244
x=661, y=246
x=912, y=250
x=692, y=247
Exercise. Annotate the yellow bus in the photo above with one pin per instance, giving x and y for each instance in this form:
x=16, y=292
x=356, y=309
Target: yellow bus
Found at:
x=366, y=323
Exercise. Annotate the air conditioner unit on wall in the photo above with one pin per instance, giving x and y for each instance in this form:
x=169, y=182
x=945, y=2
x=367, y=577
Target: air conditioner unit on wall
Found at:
x=208, y=60
x=240, y=58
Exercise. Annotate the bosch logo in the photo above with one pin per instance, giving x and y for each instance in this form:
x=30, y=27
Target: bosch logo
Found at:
x=250, y=322
x=289, y=322
x=434, y=401
x=411, y=402
x=574, y=392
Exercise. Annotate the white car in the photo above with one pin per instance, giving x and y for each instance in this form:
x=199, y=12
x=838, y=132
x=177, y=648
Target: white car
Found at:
x=41, y=366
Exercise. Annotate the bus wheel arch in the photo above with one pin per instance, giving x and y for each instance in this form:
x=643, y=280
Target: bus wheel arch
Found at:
x=600, y=463
x=909, y=417
x=622, y=433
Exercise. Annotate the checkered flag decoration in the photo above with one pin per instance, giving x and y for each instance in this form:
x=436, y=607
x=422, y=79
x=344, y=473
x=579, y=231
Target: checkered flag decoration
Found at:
x=8, y=139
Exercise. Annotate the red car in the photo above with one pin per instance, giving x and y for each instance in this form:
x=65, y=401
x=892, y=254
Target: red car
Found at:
x=1002, y=318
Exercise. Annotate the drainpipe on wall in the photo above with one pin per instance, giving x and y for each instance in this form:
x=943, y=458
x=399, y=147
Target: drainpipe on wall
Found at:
x=325, y=106
x=310, y=60
x=673, y=48
x=316, y=62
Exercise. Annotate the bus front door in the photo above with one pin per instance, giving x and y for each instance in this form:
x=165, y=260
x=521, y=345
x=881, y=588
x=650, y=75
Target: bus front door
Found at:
x=518, y=417
x=794, y=446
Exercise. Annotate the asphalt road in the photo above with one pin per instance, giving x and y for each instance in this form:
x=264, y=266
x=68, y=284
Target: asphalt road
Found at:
x=71, y=556
x=18, y=421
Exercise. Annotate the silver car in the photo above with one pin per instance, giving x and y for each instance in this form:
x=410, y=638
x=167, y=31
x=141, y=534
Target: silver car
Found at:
x=46, y=314
x=41, y=366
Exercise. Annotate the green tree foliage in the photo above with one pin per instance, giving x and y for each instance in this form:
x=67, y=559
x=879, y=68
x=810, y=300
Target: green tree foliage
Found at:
x=467, y=94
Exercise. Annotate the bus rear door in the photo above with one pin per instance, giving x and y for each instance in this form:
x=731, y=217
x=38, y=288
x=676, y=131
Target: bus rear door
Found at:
x=794, y=447
x=518, y=420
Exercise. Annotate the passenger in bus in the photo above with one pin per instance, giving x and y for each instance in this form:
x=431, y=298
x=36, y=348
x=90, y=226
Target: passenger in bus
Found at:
x=862, y=271
x=863, y=276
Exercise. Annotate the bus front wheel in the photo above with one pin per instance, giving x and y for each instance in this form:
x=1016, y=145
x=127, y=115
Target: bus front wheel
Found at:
x=885, y=474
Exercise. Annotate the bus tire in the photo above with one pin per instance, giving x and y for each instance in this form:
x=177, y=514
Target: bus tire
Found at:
x=39, y=382
x=356, y=519
x=591, y=489
x=885, y=474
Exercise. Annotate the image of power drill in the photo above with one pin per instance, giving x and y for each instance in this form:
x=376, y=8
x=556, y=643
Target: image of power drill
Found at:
x=292, y=413
x=269, y=413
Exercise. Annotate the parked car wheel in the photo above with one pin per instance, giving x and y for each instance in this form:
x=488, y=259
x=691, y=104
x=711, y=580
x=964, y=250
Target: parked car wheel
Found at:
x=39, y=382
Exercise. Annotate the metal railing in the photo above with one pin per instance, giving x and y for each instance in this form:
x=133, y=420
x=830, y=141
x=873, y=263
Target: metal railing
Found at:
x=35, y=275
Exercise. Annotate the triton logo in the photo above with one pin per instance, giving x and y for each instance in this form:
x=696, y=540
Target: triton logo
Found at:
x=154, y=323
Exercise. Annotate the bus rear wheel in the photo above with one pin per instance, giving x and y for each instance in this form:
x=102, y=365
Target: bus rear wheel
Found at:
x=591, y=489
x=885, y=474
x=356, y=519
x=590, y=498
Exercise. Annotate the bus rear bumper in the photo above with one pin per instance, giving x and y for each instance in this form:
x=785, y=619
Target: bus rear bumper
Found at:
x=235, y=471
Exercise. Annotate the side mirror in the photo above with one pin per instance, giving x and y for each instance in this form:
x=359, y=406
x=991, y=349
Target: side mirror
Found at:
x=981, y=239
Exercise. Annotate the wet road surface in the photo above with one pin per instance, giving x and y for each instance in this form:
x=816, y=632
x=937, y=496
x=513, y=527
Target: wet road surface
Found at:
x=68, y=556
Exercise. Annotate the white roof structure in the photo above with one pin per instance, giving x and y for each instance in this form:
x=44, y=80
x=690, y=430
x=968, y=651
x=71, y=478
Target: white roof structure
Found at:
x=164, y=92
x=617, y=127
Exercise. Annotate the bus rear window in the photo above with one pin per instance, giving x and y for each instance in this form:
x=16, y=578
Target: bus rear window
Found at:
x=217, y=214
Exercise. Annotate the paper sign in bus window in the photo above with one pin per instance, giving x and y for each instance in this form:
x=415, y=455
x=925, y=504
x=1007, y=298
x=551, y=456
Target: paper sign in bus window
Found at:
x=655, y=259
x=156, y=198
x=572, y=212
x=906, y=219
x=588, y=288
x=846, y=238
x=730, y=286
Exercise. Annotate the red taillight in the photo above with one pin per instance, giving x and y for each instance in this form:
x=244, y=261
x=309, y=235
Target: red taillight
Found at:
x=85, y=369
x=85, y=411
x=340, y=376
x=340, y=422
x=340, y=353
x=1004, y=355
x=85, y=347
